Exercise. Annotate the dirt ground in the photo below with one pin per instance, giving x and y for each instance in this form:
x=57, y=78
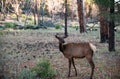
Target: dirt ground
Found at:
x=20, y=49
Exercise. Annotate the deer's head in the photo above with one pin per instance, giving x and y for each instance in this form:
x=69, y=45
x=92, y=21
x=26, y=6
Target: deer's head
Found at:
x=61, y=39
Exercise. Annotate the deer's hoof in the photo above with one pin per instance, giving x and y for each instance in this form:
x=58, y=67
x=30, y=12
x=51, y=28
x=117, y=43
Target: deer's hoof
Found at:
x=76, y=74
x=90, y=77
x=68, y=75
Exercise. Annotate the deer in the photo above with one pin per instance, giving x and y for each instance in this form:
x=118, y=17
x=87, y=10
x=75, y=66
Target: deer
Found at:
x=77, y=50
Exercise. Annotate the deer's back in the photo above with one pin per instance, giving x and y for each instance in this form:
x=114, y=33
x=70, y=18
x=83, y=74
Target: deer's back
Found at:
x=77, y=50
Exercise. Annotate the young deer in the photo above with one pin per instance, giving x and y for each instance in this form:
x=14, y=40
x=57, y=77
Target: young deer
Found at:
x=77, y=50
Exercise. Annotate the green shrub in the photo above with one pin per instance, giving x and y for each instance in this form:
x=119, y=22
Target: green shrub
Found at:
x=58, y=26
x=10, y=25
x=26, y=74
x=44, y=70
x=1, y=27
x=29, y=18
x=1, y=33
x=75, y=27
x=23, y=16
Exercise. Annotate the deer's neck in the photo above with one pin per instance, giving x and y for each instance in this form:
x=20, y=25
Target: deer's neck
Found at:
x=61, y=47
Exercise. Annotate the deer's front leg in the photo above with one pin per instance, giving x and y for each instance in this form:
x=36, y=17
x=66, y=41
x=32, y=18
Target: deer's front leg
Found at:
x=74, y=66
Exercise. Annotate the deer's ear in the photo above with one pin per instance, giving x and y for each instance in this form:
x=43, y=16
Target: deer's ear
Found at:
x=56, y=36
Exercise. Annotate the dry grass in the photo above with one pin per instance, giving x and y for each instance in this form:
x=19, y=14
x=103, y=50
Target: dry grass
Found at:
x=23, y=48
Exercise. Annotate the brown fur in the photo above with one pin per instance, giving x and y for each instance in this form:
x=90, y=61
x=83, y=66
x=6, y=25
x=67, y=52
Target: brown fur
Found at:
x=77, y=50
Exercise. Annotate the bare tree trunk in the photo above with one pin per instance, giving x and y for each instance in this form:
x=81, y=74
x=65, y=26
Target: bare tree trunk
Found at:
x=3, y=10
x=81, y=15
x=38, y=11
x=104, y=25
x=16, y=9
x=111, y=30
x=34, y=13
x=104, y=28
x=66, y=34
x=41, y=10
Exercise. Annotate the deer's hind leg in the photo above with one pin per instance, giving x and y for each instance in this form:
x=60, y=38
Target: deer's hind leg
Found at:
x=70, y=61
x=90, y=60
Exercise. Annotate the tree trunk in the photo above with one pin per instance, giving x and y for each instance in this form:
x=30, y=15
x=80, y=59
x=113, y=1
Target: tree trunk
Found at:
x=104, y=25
x=3, y=10
x=66, y=34
x=34, y=13
x=103, y=29
x=16, y=10
x=38, y=12
x=81, y=15
x=111, y=28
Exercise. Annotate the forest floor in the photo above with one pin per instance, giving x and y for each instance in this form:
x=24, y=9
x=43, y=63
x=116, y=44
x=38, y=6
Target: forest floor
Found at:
x=22, y=48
